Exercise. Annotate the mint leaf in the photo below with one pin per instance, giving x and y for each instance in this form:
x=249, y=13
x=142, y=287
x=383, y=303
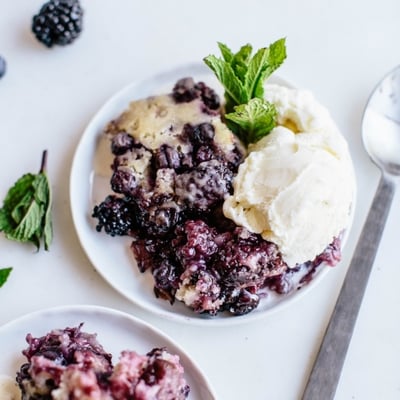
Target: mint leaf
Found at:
x=240, y=62
x=26, y=212
x=226, y=52
x=29, y=224
x=253, y=120
x=262, y=65
x=4, y=274
x=234, y=88
x=16, y=194
x=243, y=76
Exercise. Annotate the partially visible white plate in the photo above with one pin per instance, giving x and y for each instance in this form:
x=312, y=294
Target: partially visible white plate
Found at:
x=111, y=256
x=116, y=331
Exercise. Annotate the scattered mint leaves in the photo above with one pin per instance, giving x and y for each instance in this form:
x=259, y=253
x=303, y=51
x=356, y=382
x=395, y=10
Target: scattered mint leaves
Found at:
x=243, y=75
x=4, y=273
x=255, y=119
x=26, y=212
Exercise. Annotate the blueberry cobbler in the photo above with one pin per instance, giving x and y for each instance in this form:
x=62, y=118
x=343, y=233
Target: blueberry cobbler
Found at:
x=69, y=364
x=219, y=222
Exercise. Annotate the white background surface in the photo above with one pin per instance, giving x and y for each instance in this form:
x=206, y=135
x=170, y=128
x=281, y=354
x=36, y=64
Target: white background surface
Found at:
x=336, y=49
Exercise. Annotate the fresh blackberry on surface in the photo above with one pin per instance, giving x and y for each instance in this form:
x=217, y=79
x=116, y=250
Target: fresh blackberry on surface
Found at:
x=114, y=215
x=59, y=22
x=3, y=66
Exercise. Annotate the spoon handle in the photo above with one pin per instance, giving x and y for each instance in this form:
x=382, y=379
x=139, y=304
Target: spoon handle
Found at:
x=327, y=368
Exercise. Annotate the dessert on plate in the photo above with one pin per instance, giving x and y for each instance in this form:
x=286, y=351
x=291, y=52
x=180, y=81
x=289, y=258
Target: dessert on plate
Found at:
x=228, y=200
x=69, y=364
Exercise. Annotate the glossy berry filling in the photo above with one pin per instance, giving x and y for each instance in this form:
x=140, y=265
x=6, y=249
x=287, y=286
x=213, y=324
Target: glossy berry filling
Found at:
x=71, y=364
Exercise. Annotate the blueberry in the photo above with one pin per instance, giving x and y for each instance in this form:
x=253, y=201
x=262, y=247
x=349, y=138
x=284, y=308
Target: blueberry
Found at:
x=3, y=66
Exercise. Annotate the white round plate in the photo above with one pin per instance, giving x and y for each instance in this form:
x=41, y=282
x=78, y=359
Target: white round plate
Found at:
x=111, y=256
x=116, y=331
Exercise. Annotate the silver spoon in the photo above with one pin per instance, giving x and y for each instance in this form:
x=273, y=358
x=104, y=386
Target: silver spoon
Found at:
x=381, y=137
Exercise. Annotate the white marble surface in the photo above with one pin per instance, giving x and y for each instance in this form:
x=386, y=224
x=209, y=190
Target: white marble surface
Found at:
x=336, y=49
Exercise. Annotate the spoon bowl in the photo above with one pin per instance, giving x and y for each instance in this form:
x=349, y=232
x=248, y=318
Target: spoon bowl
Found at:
x=381, y=124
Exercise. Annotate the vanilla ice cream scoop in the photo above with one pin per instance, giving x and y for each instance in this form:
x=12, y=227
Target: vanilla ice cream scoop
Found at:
x=297, y=184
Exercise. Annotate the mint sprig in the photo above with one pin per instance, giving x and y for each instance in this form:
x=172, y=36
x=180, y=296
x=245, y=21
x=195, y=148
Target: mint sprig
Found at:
x=4, y=273
x=243, y=76
x=26, y=212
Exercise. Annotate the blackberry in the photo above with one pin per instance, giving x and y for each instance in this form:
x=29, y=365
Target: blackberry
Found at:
x=3, y=66
x=121, y=143
x=186, y=90
x=204, y=187
x=124, y=182
x=157, y=216
x=203, y=134
x=201, y=138
x=200, y=244
x=59, y=22
x=132, y=172
x=144, y=250
x=209, y=97
x=247, y=257
x=115, y=215
x=205, y=290
x=166, y=279
x=167, y=157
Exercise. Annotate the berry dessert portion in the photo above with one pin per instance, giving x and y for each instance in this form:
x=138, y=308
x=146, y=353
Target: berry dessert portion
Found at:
x=174, y=160
x=59, y=22
x=175, y=166
x=68, y=364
